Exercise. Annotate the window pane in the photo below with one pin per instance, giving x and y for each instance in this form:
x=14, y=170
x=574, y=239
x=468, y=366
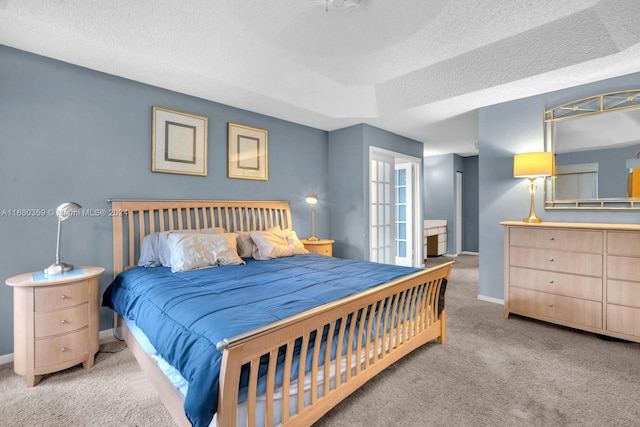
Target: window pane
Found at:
x=402, y=195
x=374, y=193
x=374, y=237
x=374, y=215
x=402, y=249
x=401, y=177
x=380, y=171
x=374, y=170
x=401, y=213
x=402, y=231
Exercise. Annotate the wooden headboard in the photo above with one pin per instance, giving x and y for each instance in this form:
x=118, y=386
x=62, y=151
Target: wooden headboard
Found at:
x=134, y=219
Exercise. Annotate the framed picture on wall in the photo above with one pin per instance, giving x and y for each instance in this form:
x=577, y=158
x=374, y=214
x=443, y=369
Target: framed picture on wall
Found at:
x=179, y=142
x=248, y=152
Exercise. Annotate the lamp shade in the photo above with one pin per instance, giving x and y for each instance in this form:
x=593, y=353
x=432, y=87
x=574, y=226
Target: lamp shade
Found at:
x=531, y=165
x=312, y=199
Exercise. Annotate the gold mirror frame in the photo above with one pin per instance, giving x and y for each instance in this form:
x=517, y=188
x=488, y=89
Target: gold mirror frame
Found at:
x=598, y=104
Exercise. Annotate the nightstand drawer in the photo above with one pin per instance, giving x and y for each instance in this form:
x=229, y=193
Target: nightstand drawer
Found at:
x=60, y=349
x=544, y=305
x=323, y=250
x=61, y=321
x=55, y=297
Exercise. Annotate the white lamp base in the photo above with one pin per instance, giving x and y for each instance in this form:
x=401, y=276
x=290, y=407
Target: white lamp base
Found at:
x=58, y=268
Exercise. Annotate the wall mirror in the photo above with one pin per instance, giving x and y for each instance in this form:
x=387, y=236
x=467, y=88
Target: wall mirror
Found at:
x=596, y=142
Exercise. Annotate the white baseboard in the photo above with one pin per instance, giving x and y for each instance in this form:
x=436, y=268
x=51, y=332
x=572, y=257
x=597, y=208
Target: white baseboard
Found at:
x=6, y=358
x=490, y=299
x=470, y=253
x=104, y=335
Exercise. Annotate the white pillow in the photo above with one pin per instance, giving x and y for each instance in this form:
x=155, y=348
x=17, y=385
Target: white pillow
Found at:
x=155, y=252
x=276, y=243
x=190, y=251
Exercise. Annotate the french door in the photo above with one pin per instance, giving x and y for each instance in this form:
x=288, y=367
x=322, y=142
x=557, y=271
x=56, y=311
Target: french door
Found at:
x=395, y=209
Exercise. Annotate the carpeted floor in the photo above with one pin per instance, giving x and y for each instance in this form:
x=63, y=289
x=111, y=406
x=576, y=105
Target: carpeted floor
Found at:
x=490, y=372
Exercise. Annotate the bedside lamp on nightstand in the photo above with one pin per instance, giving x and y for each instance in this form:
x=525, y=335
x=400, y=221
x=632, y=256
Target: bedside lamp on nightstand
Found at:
x=63, y=212
x=312, y=199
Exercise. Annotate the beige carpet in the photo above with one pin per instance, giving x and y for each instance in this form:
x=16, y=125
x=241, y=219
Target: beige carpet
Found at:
x=491, y=372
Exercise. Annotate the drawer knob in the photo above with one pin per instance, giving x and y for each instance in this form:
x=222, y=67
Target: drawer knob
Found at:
x=550, y=305
x=551, y=259
x=64, y=296
x=552, y=238
x=63, y=321
x=63, y=349
x=551, y=281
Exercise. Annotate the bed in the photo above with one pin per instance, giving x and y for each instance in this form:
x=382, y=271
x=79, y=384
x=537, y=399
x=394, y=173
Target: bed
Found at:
x=292, y=369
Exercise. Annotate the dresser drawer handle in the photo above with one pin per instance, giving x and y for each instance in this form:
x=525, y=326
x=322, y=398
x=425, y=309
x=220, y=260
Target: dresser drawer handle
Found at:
x=63, y=321
x=63, y=349
x=551, y=281
x=552, y=238
x=64, y=296
x=551, y=259
x=550, y=305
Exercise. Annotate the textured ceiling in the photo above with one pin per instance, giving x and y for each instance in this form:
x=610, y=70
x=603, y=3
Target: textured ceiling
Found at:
x=416, y=68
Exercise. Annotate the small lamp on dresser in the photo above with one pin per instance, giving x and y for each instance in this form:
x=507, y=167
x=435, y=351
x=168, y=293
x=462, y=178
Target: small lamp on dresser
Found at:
x=533, y=166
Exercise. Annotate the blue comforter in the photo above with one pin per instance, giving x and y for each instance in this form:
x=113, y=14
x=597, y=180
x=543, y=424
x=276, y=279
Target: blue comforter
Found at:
x=186, y=314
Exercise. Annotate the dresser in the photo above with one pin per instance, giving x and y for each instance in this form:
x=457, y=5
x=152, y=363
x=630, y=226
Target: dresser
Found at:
x=56, y=321
x=585, y=276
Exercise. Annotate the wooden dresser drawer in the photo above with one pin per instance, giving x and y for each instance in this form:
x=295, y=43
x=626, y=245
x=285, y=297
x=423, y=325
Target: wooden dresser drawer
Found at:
x=624, y=268
x=556, y=307
x=557, y=283
x=625, y=320
x=623, y=243
x=60, y=349
x=61, y=321
x=565, y=240
x=623, y=293
x=567, y=262
x=55, y=297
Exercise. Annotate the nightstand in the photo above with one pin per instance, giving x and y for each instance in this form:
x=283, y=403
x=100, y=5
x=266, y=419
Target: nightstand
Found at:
x=56, y=321
x=321, y=247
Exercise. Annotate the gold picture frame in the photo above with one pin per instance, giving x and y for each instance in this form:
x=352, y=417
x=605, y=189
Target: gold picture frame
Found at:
x=179, y=142
x=248, y=152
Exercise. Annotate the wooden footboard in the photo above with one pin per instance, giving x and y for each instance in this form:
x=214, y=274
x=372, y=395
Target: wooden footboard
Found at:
x=372, y=330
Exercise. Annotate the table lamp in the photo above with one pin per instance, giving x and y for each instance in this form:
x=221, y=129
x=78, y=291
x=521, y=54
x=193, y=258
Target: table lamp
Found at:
x=63, y=212
x=312, y=199
x=532, y=166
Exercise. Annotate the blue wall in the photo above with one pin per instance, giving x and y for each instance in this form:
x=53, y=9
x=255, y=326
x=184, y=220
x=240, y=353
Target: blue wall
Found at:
x=69, y=133
x=516, y=127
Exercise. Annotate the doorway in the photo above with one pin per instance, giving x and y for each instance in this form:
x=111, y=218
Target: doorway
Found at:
x=395, y=214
